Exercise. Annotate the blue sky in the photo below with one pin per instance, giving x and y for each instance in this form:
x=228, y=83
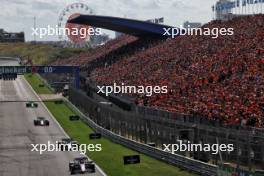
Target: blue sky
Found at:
x=17, y=15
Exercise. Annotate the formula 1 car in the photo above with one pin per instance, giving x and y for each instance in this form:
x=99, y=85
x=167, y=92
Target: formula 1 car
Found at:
x=67, y=144
x=81, y=166
x=31, y=105
x=41, y=121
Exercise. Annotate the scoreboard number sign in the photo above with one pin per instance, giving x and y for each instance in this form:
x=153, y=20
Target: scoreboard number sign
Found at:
x=133, y=159
x=48, y=69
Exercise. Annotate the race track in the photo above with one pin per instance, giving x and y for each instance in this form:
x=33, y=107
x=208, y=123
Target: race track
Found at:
x=17, y=133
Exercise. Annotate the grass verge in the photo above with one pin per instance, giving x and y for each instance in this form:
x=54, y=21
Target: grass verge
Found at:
x=35, y=82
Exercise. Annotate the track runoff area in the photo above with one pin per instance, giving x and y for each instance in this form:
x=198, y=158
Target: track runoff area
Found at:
x=83, y=147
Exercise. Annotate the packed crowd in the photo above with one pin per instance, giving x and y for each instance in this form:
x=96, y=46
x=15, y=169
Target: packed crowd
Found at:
x=216, y=78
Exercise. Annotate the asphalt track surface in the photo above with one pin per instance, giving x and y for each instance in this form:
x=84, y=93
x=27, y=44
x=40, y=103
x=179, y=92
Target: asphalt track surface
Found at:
x=17, y=133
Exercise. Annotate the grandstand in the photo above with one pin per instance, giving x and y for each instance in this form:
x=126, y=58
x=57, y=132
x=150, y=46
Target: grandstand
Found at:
x=215, y=78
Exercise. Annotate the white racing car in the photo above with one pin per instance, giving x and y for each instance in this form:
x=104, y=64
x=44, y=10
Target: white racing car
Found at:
x=81, y=165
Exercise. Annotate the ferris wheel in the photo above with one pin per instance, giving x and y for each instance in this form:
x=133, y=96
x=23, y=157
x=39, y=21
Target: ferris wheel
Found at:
x=70, y=12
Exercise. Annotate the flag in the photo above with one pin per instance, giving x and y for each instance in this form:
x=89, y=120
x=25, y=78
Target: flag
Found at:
x=238, y=3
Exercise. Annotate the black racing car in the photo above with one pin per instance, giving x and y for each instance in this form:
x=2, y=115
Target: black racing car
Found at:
x=67, y=144
x=81, y=165
x=41, y=121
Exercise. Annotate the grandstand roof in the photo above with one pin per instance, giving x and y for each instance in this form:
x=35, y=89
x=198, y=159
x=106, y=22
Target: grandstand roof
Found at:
x=127, y=26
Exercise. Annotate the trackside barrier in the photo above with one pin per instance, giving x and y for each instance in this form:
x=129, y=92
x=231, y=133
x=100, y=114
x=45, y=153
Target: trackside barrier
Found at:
x=195, y=166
